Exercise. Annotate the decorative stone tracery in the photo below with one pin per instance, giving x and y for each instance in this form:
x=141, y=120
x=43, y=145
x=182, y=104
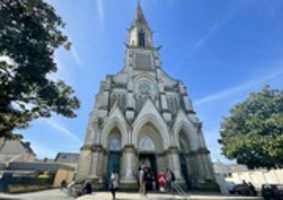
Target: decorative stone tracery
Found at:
x=142, y=114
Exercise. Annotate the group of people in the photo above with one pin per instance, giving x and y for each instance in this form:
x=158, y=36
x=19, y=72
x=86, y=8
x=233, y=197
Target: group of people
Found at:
x=148, y=180
x=113, y=185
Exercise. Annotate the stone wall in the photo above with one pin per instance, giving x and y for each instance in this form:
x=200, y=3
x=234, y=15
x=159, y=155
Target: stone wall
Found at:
x=66, y=175
x=256, y=177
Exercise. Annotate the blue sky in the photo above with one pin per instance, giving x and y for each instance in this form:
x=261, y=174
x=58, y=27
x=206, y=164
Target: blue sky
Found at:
x=222, y=50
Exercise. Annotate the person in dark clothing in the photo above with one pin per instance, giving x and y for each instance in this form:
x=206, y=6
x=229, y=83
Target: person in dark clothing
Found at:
x=63, y=184
x=252, y=189
x=87, y=189
x=145, y=180
x=170, y=180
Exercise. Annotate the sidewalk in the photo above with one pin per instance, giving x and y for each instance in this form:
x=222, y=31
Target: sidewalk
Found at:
x=42, y=195
x=59, y=195
x=137, y=196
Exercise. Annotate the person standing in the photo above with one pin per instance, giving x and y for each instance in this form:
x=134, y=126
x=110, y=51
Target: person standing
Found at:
x=142, y=180
x=252, y=189
x=145, y=180
x=161, y=178
x=114, y=184
x=170, y=180
x=173, y=179
x=87, y=188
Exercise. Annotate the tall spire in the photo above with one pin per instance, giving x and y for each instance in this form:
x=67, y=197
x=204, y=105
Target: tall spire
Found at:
x=140, y=34
x=140, y=18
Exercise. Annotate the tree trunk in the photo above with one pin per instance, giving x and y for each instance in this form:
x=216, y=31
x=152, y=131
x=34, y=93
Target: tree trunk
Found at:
x=2, y=142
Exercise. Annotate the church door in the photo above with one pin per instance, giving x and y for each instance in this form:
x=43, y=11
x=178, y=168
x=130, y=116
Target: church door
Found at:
x=148, y=160
x=114, y=155
x=113, y=163
x=184, y=170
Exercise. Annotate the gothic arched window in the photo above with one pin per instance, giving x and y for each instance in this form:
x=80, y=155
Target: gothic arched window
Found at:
x=142, y=38
x=115, y=141
x=146, y=144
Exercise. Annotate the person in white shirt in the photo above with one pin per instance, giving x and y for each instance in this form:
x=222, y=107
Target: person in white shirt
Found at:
x=114, y=184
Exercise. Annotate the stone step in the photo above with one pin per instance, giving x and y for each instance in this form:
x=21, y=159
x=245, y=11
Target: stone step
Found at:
x=137, y=196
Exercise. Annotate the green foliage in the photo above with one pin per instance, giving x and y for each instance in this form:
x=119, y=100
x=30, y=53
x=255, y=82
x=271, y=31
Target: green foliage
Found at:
x=253, y=133
x=30, y=32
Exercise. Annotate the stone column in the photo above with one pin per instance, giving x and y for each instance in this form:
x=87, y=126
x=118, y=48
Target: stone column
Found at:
x=207, y=165
x=203, y=167
x=174, y=163
x=84, y=163
x=90, y=134
x=86, y=154
x=97, y=162
x=129, y=167
x=130, y=108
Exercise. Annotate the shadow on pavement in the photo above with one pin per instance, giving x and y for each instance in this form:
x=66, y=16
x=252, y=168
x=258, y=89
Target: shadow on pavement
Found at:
x=9, y=198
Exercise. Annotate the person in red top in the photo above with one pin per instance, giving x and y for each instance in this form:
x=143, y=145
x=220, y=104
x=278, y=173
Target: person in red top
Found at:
x=161, y=179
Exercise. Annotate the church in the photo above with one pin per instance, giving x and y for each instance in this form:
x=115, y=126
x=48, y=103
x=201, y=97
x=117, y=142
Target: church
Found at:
x=142, y=116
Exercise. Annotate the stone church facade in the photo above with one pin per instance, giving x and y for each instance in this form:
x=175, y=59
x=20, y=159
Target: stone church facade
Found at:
x=142, y=116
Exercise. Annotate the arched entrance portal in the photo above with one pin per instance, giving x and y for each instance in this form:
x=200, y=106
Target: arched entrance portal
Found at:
x=184, y=149
x=114, y=154
x=149, y=147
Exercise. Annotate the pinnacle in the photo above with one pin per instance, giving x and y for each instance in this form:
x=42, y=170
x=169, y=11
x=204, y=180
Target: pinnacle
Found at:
x=140, y=18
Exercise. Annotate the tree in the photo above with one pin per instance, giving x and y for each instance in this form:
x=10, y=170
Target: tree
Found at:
x=30, y=32
x=253, y=133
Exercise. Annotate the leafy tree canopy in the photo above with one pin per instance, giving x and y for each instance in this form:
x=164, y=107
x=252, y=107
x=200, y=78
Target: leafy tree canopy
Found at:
x=253, y=133
x=30, y=32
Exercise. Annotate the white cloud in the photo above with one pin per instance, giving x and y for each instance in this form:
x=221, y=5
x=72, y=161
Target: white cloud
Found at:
x=100, y=11
x=233, y=90
x=74, y=51
x=76, y=56
x=60, y=128
x=212, y=30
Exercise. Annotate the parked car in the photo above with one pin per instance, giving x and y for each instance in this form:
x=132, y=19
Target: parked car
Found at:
x=272, y=191
x=243, y=189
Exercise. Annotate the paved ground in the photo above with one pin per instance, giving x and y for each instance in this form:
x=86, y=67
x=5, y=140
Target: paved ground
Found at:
x=44, y=195
x=137, y=196
x=59, y=195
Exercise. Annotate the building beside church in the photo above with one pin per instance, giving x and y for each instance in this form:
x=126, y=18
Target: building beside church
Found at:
x=143, y=117
x=15, y=150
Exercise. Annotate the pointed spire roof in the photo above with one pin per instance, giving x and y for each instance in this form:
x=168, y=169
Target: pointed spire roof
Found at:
x=140, y=18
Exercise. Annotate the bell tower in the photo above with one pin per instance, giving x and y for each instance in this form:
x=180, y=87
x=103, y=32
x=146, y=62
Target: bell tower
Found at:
x=140, y=35
x=143, y=117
